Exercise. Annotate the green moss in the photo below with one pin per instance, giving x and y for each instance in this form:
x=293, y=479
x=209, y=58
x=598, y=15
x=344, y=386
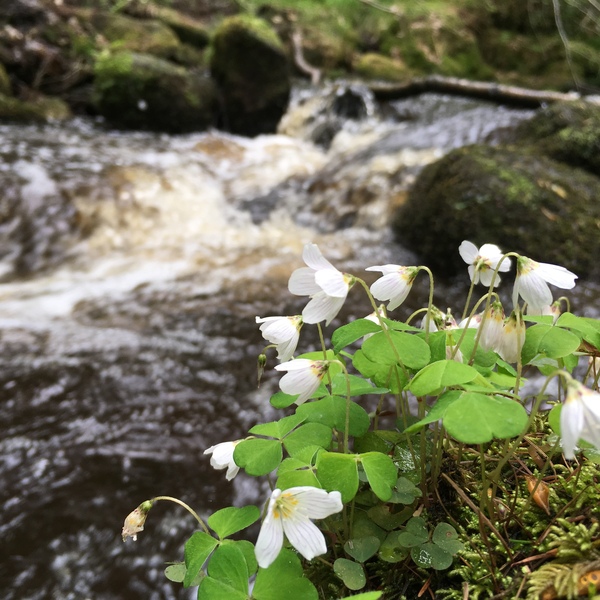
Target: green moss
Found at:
x=250, y=65
x=41, y=109
x=515, y=198
x=376, y=66
x=145, y=92
x=568, y=132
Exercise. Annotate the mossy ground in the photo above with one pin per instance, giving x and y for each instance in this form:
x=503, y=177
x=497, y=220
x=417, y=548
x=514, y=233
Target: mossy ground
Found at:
x=514, y=547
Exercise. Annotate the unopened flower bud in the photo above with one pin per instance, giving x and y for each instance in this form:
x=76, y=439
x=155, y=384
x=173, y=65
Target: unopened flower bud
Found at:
x=260, y=365
x=134, y=522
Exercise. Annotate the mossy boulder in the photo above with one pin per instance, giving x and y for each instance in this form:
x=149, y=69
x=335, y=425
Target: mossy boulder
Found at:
x=40, y=109
x=139, y=91
x=376, y=66
x=188, y=30
x=523, y=202
x=566, y=131
x=251, y=68
x=148, y=36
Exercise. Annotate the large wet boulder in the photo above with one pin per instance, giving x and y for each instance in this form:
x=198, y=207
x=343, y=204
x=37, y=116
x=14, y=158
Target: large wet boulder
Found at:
x=566, y=131
x=251, y=68
x=139, y=91
x=521, y=201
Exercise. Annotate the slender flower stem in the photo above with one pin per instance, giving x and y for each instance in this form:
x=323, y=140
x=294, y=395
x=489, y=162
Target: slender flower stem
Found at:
x=519, y=359
x=324, y=348
x=429, y=301
x=383, y=326
x=468, y=301
x=480, y=328
x=348, y=401
x=186, y=506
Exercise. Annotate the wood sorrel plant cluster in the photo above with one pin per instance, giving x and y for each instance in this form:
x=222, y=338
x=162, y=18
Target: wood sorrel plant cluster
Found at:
x=373, y=481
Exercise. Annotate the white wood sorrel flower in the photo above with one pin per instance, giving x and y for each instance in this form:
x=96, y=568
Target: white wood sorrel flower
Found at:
x=394, y=285
x=483, y=262
x=326, y=286
x=222, y=458
x=290, y=512
x=284, y=332
x=579, y=418
x=532, y=282
x=303, y=377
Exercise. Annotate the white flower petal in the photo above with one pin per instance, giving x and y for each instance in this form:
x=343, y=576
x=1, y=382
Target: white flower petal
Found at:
x=392, y=287
x=294, y=365
x=468, y=251
x=385, y=269
x=302, y=282
x=305, y=536
x=302, y=381
x=571, y=424
x=316, y=503
x=485, y=277
x=557, y=275
x=232, y=471
x=270, y=539
x=322, y=308
x=312, y=256
x=473, y=274
x=534, y=290
x=222, y=458
x=285, y=350
x=332, y=282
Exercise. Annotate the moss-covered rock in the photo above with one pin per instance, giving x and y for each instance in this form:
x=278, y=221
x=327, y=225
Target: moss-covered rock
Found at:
x=566, y=131
x=377, y=66
x=188, y=30
x=148, y=36
x=522, y=202
x=251, y=68
x=139, y=91
x=42, y=108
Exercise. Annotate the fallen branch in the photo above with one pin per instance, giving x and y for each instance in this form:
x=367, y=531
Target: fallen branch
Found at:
x=300, y=61
x=497, y=92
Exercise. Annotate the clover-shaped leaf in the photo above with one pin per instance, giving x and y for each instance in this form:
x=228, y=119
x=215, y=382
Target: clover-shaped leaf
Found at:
x=361, y=549
x=351, y=573
x=445, y=537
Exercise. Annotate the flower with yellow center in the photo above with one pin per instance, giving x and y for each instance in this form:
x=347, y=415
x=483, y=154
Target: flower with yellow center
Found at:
x=483, y=262
x=394, y=285
x=326, y=286
x=284, y=332
x=303, y=377
x=290, y=513
x=532, y=282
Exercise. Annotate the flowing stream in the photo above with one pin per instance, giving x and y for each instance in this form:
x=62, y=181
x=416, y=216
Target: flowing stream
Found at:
x=132, y=266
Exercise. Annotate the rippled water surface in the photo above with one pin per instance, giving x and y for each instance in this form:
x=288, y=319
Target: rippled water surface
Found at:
x=132, y=266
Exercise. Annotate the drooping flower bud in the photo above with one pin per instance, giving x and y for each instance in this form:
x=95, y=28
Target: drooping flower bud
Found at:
x=134, y=521
x=260, y=366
